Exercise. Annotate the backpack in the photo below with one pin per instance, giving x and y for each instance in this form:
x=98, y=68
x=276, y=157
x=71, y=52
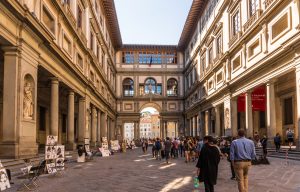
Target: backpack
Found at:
x=157, y=145
x=290, y=134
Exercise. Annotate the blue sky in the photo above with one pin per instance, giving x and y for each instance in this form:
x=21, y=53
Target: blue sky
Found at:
x=152, y=21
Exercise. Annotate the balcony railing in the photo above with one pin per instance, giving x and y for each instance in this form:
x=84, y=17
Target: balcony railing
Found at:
x=268, y=3
x=252, y=20
x=234, y=38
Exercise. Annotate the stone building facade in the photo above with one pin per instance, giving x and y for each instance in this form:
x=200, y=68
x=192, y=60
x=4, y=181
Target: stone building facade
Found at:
x=64, y=71
x=241, y=68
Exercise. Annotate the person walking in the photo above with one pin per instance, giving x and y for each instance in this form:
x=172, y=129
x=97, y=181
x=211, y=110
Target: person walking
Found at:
x=290, y=137
x=207, y=164
x=277, y=142
x=144, y=146
x=226, y=152
x=168, y=146
x=242, y=151
x=157, y=149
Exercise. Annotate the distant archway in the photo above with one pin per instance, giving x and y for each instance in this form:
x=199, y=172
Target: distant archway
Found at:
x=151, y=104
x=149, y=126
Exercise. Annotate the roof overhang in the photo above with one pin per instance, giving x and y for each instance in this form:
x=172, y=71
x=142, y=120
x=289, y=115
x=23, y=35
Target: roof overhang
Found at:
x=191, y=23
x=149, y=47
x=112, y=21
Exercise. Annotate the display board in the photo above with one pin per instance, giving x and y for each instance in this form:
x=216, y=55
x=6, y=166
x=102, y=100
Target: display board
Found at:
x=54, y=155
x=4, y=181
x=104, y=149
x=115, y=145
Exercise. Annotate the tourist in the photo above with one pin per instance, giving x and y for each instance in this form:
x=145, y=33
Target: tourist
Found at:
x=168, y=146
x=144, y=146
x=175, y=146
x=153, y=150
x=264, y=143
x=226, y=152
x=242, y=151
x=208, y=164
x=146, y=143
x=158, y=149
x=199, y=146
x=181, y=148
x=186, y=148
x=290, y=137
x=277, y=142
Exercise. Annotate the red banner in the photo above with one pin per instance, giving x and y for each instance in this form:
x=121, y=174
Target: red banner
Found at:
x=258, y=98
x=241, y=104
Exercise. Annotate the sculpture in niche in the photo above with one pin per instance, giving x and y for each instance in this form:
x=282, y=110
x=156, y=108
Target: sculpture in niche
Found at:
x=28, y=100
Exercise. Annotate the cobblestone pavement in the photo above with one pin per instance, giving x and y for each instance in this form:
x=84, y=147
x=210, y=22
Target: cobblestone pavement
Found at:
x=133, y=171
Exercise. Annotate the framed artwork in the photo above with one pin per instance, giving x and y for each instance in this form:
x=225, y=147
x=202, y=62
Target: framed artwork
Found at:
x=4, y=181
x=86, y=141
x=60, y=151
x=50, y=152
x=51, y=168
x=87, y=148
x=51, y=140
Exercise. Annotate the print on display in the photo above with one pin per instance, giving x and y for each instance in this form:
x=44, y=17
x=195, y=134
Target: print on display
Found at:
x=51, y=140
x=50, y=152
x=4, y=181
x=86, y=141
x=60, y=151
x=51, y=168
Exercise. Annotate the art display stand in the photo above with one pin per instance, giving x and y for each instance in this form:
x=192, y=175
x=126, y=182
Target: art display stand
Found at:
x=4, y=181
x=87, y=148
x=115, y=146
x=54, y=156
x=104, y=149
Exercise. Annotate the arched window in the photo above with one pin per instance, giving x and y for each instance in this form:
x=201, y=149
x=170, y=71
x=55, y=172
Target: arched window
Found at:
x=150, y=86
x=128, y=87
x=172, y=87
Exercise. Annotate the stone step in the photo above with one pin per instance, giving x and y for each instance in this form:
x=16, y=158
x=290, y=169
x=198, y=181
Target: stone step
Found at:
x=15, y=165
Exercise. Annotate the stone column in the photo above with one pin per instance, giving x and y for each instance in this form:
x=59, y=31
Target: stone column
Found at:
x=103, y=127
x=176, y=129
x=249, y=114
x=206, y=123
x=70, y=131
x=298, y=103
x=161, y=128
x=135, y=130
x=201, y=127
x=166, y=129
x=98, y=127
x=217, y=120
x=94, y=126
x=54, y=108
x=271, y=112
x=108, y=128
x=234, y=117
x=112, y=130
x=81, y=120
x=138, y=130
x=9, y=140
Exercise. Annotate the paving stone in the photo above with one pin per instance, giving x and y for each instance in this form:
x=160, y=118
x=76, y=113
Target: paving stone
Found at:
x=132, y=172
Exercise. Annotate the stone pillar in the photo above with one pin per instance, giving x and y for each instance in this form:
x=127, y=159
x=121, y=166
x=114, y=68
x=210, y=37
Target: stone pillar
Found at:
x=112, y=130
x=234, y=116
x=166, y=129
x=249, y=114
x=103, y=127
x=161, y=128
x=217, y=121
x=298, y=104
x=81, y=120
x=94, y=126
x=98, y=127
x=206, y=123
x=108, y=128
x=201, y=123
x=138, y=130
x=135, y=130
x=70, y=130
x=54, y=108
x=271, y=112
x=176, y=129
x=9, y=140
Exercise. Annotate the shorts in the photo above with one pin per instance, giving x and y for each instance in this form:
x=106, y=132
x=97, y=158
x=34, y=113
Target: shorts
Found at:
x=290, y=140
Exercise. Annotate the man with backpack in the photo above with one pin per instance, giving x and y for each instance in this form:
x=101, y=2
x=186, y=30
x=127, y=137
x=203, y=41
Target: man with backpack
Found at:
x=290, y=137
